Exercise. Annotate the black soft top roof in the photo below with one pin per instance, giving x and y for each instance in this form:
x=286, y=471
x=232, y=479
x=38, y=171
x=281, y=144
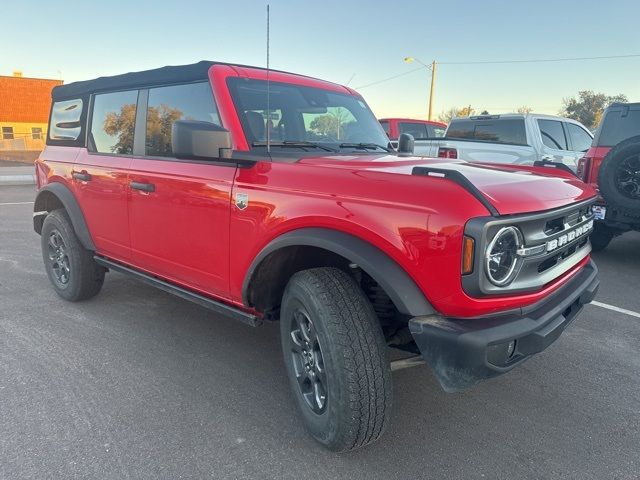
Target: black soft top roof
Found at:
x=157, y=76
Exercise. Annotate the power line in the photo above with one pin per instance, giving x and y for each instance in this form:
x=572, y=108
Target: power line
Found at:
x=496, y=62
x=540, y=60
x=390, y=78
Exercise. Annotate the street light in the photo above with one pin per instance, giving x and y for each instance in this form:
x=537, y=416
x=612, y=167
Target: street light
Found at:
x=433, y=67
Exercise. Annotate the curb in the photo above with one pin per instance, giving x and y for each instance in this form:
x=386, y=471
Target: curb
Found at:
x=10, y=180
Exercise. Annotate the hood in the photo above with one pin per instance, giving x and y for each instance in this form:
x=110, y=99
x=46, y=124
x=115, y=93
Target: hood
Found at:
x=511, y=189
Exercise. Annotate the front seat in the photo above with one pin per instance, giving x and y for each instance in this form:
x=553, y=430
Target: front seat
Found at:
x=256, y=125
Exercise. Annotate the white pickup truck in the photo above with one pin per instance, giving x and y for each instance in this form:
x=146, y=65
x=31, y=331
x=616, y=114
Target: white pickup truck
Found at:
x=511, y=138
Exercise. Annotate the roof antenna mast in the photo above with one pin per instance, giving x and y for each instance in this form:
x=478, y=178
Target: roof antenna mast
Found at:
x=268, y=122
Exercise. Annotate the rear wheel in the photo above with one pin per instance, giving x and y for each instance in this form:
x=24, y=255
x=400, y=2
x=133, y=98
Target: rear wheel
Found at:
x=70, y=267
x=619, y=177
x=335, y=354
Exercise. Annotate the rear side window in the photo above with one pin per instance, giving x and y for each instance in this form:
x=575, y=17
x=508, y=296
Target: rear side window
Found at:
x=176, y=102
x=385, y=127
x=417, y=130
x=498, y=130
x=436, y=132
x=619, y=124
x=580, y=139
x=553, y=134
x=65, y=121
x=113, y=122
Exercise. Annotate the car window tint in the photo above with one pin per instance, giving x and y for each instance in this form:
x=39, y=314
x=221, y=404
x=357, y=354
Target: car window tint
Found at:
x=552, y=134
x=436, y=132
x=417, y=130
x=620, y=123
x=496, y=130
x=385, y=127
x=176, y=102
x=113, y=122
x=580, y=139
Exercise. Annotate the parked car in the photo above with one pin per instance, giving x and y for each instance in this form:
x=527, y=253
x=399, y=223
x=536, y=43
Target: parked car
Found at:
x=520, y=139
x=183, y=178
x=612, y=165
x=418, y=129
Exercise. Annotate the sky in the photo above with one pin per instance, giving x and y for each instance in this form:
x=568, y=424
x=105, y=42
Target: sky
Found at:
x=347, y=42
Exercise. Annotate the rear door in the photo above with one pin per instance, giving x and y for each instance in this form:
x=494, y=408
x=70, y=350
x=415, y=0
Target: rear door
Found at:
x=101, y=172
x=179, y=210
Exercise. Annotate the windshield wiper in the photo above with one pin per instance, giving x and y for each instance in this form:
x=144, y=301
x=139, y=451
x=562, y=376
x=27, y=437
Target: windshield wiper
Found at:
x=364, y=146
x=294, y=144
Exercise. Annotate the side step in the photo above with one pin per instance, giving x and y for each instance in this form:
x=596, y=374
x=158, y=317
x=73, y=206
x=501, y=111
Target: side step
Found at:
x=216, y=306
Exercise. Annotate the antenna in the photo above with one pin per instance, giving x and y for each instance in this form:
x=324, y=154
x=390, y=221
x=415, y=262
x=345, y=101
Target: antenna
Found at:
x=268, y=122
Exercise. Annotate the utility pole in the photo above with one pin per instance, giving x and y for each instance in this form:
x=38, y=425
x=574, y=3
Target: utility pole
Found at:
x=434, y=66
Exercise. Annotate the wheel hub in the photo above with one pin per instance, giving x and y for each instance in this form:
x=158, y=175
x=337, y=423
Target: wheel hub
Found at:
x=308, y=362
x=58, y=258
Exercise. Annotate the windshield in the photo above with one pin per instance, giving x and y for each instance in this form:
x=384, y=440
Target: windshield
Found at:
x=305, y=117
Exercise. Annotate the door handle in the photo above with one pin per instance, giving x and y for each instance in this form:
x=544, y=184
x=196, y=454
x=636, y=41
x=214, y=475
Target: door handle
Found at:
x=82, y=176
x=144, y=187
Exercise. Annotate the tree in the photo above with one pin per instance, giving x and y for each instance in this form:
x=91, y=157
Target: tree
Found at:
x=333, y=124
x=159, y=123
x=524, y=109
x=588, y=107
x=455, y=112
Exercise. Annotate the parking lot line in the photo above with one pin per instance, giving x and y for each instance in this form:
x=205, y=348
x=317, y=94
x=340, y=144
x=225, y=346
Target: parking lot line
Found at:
x=616, y=309
x=16, y=203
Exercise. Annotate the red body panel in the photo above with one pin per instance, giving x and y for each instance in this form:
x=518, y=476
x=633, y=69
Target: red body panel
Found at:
x=394, y=129
x=189, y=231
x=594, y=158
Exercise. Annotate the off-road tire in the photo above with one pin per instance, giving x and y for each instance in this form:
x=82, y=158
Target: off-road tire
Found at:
x=608, y=174
x=85, y=277
x=353, y=351
x=600, y=237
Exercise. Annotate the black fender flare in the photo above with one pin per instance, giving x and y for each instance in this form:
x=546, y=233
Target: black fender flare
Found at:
x=68, y=200
x=403, y=291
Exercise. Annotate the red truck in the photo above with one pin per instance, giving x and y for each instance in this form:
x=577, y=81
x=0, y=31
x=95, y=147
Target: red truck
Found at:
x=265, y=195
x=418, y=129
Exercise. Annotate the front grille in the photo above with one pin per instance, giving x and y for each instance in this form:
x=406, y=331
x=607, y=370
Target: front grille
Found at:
x=553, y=242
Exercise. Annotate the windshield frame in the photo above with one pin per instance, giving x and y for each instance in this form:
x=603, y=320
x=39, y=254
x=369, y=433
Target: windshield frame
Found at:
x=324, y=147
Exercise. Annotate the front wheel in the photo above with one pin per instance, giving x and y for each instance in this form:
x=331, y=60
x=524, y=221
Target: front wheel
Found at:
x=335, y=354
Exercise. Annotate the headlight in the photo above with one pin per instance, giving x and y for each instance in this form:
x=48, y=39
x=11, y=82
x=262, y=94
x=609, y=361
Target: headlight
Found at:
x=501, y=258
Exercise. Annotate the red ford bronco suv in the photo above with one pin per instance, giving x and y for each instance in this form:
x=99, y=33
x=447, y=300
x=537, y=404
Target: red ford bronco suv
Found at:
x=612, y=167
x=265, y=195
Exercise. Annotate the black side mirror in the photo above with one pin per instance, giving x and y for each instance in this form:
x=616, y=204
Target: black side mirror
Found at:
x=195, y=140
x=405, y=144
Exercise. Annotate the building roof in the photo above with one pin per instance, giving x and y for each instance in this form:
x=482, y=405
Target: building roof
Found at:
x=25, y=99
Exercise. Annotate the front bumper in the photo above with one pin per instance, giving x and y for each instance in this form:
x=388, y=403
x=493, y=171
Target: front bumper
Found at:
x=461, y=353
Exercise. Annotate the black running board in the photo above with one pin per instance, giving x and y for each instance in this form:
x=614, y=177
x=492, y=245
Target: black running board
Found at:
x=216, y=306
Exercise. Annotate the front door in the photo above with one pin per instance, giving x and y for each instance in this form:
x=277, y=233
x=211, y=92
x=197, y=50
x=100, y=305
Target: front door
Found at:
x=179, y=210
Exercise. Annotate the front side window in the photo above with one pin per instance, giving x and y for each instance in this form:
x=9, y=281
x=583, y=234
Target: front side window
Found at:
x=320, y=118
x=580, y=139
x=176, y=102
x=113, y=122
x=417, y=130
x=36, y=133
x=552, y=134
x=7, y=133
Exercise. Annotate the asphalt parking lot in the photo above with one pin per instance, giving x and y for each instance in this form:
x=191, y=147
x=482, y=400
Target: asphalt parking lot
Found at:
x=136, y=383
